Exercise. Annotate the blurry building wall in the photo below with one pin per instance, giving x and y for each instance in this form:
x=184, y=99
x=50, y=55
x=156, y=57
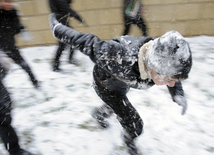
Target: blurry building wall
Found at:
x=104, y=17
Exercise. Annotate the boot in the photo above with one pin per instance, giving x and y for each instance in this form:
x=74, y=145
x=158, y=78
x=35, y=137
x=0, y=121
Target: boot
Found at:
x=100, y=118
x=56, y=67
x=33, y=79
x=36, y=84
x=100, y=114
x=130, y=143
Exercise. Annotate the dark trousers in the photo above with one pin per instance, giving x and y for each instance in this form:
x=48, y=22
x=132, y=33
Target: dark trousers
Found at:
x=7, y=133
x=7, y=45
x=61, y=48
x=127, y=115
x=138, y=21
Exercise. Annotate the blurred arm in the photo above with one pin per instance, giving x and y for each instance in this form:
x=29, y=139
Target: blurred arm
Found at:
x=177, y=95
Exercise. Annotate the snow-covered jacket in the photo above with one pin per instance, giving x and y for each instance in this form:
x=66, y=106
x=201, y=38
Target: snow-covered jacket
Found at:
x=9, y=22
x=116, y=59
x=61, y=8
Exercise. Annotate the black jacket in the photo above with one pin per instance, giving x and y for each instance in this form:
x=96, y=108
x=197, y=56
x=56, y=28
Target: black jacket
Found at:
x=9, y=22
x=116, y=59
x=61, y=8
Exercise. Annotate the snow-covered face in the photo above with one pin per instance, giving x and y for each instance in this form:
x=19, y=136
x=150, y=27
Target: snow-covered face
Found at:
x=162, y=79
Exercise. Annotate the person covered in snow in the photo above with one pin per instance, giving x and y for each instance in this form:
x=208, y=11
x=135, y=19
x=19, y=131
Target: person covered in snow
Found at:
x=132, y=10
x=62, y=10
x=126, y=62
x=9, y=27
x=7, y=132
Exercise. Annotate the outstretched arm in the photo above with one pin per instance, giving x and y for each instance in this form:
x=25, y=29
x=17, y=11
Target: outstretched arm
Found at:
x=85, y=42
x=177, y=95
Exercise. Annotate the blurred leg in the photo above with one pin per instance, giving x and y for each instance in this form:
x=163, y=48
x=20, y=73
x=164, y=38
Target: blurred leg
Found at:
x=9, y=138
x=101, y=113
x=142, y=25
x=127, y=25
x=127, y=115
x=18, y=59
x=7, y=133
x=71, y=54
x=8, y=46
x=56, y=62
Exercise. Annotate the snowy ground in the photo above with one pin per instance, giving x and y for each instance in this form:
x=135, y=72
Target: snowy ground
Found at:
x=56, y=120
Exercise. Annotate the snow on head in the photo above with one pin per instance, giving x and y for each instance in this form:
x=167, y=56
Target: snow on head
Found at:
x=170, y=55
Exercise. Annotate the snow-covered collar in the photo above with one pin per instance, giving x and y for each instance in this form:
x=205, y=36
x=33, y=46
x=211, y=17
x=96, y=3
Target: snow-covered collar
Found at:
x=143, y=59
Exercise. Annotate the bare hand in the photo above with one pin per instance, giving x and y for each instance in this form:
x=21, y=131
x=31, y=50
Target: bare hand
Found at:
x=7, y=6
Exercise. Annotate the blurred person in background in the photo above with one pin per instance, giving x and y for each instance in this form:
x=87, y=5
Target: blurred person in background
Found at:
x=63, y=11
x=126, y=62
x=7, y=132
x=9, y=27
x=132, y=10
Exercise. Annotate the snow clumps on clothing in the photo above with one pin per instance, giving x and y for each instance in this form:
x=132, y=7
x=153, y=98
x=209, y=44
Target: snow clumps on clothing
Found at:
x=170, y=55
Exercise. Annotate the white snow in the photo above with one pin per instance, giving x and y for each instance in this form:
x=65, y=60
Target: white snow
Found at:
x=56, y=120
